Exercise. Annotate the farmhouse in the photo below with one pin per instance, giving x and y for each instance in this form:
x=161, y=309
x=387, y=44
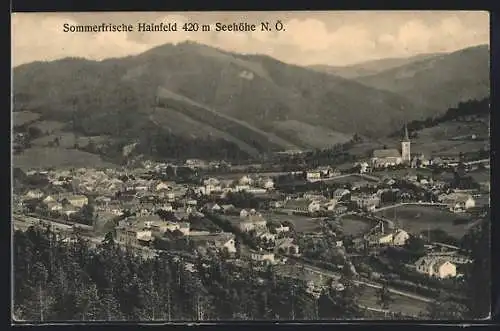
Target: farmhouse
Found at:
x=302, y=206
x=439, y=267
x=212, y=207
x=253, y=222
x=34, y=194
x=133, y=236
x=262, y=256
x=74, y=200
x=286, y=246
x=366, y=202
x=220, y=241
x=457, y=202
x=313, y=175
x=400, y=237
x=339, y=193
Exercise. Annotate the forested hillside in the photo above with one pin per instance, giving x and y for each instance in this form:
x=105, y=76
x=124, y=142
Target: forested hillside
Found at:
x=61, y=281
x=56, y=281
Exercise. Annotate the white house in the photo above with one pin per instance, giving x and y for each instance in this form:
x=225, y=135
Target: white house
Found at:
x=330, y=205
x=75, y=200
x=268, y=184
x=286, y=246
x=54, y=206
x=385, y=239
x=400, y=237
x=245, y=180
x=253, y=222
x=367, y=202
x=339, y=193
x=246, y=226
x=49, y=198
x=262, y=257
x=244, y=213
x=363, y=167
x=457, y=202
x=313, y=175
x=436, y=267
x=265, y=235
x=167, y=207
x=162, y=186
x=282, y=228
x=34, y=194
x=211, y=181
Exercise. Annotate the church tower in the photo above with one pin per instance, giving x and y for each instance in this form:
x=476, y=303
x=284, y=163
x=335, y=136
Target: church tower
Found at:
x=405, y=147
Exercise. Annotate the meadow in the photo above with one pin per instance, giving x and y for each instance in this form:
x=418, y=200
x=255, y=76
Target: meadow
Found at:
x=20, y=118
x=355, y=225
x=416, y=219
x=58, y=158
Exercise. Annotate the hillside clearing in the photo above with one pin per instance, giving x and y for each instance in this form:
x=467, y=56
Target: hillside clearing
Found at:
x=68, y=140
x=48, y=127
x=20, y=118
x=312, y=136
x=181, y=124
x=46, y=157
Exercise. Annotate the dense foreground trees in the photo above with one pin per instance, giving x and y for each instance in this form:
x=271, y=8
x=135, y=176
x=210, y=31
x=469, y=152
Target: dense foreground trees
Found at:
x=61, y=280
x=56, y=280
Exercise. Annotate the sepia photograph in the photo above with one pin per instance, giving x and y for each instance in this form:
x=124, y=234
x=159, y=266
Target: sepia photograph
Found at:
x=250, y=166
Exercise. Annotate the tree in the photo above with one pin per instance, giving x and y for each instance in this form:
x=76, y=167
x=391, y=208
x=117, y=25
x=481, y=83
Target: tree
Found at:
x=478, y=275
x=445, y=308
x=88, y=212
x=384, y=297
x=34, y=132
x=415, y=245
x=108, y=240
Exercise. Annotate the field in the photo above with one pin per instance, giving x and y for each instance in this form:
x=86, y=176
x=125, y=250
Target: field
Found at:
x=20, y=118
x=480, y=175
x=68, y=140
x=300, y=223
x=348, y=179
x=48, y=126
x=402, y=172
x=416, y=219
x=449, y=130
x=181, y=124
x=400, y=304
x=354, y=225
x=57, y=157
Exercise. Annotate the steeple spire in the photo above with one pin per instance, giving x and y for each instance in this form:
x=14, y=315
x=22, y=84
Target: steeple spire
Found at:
x=406, y=137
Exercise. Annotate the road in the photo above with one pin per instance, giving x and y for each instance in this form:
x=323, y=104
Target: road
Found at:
x=365, y=176
x=365, y=283
x=410, y=203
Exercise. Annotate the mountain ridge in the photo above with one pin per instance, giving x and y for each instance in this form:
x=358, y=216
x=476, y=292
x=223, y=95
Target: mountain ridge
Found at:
x=371, y=67
x=222, y=93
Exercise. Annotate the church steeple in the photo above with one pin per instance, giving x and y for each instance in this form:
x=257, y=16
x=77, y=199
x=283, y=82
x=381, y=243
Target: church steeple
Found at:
x=406, y=136
x=405, y=147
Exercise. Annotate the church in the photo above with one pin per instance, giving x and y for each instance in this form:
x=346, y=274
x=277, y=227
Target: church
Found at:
x=390, y=157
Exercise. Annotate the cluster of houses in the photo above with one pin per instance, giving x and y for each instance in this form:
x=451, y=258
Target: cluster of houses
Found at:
x=112, y=193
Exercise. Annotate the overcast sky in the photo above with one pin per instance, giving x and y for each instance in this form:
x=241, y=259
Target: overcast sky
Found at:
x=334, y=38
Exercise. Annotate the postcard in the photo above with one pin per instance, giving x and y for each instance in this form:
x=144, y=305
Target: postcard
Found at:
x=250, y=166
